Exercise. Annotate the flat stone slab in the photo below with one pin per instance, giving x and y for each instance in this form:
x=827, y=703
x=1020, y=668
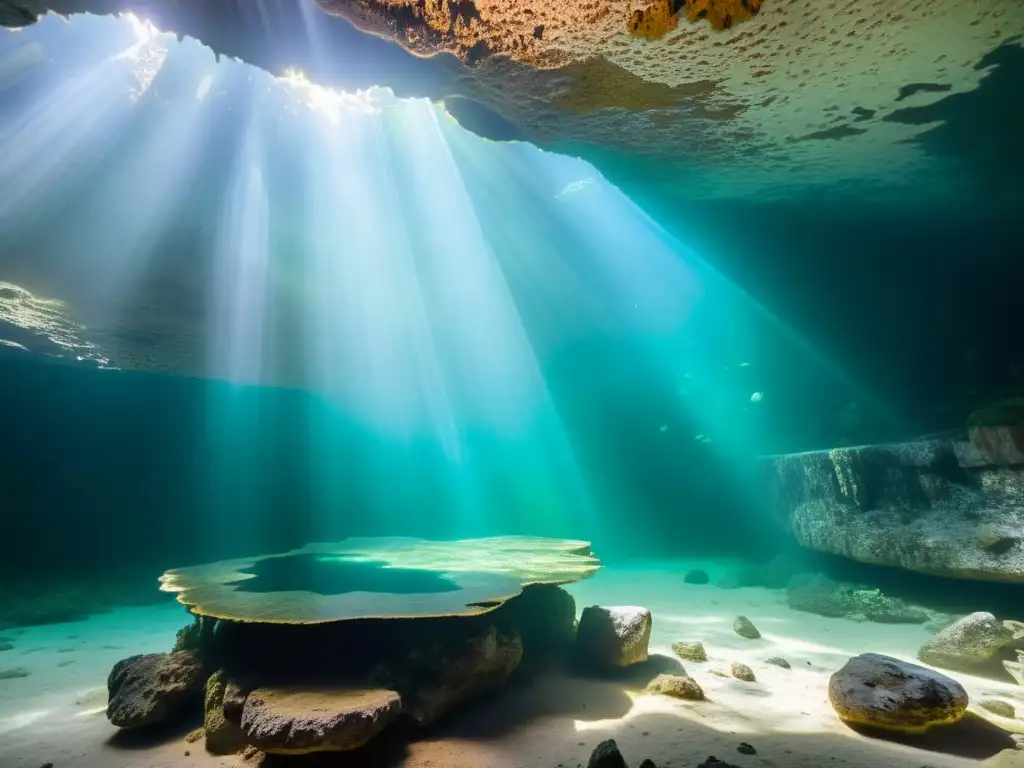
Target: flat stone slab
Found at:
x=295, y=721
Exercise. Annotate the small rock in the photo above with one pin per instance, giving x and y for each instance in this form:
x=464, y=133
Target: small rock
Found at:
x=296, y=721
x=998, y=707
x=714, y=762
x=697, y=577
x=964, y=645
x=187, y=753
x=153, y=687
x=744, y=627
x=718, y=672
x=746, y=749
x=690, y=651
x=743, y=672
x=13, y=673
x=677, y=686
x=613, y=637
x=607, y=755
x=6, y=645
x=778, y=661
x=648, y=763
x=882, y=692
x=46, y=765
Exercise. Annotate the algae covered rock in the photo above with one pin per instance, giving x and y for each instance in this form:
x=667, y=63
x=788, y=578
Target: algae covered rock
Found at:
x=677, y=686
x=154, y=687
x=299, y=721
x=744, y=627
x=878, y=691
x=742, y=672
x=223, y=735
x=969, y=642
x=690, y=651
x=613, y=637
x=818, y=594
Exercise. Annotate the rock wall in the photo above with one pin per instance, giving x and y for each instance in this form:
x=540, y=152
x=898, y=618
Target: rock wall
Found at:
x=950, y=507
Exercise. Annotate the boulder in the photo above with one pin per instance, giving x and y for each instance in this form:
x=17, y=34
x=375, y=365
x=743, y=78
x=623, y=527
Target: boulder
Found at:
x=696, y=577
x=744, y=627
x=223, y=736
x=544, y=616
x=677, y=686
x=818, y=594
x=881, y=692
x=690, y=651
x=295, y=721
x=950, y=507
x=613, y=637
x=606, y=755
x=453, y=675
x=154, y=687
x=972, y=641
x=742, y=672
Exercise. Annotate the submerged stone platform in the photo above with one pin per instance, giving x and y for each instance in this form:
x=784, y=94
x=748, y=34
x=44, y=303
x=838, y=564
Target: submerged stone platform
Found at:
x=948, y=507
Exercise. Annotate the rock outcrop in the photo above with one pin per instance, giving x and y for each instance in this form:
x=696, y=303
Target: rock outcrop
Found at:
x=458, y=674
x=608, y=638
x=151, y=688
x=969, y=643
x=949, y=507
x=296, y=721
x=876, y=691
x=656, y=91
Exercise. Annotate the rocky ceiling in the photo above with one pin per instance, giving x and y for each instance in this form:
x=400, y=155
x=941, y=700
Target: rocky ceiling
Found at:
x=694, y=99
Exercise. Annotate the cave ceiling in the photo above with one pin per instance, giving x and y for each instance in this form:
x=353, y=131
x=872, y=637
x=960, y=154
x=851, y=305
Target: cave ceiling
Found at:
x=684, y=99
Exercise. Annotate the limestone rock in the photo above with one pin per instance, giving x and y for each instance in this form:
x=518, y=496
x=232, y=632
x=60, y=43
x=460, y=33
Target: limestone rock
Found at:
x=677, y=686
x=998, y=707
x=480, y=664
x=299, y=721
x=742, y=672
x=613, y=637
x=223, y=736
x=744, y=627
x=152, y=688
x=606, y=755
x=973, y=640
x=882, y=692
x=936, y=506
x=690, y=651
x=778, y=661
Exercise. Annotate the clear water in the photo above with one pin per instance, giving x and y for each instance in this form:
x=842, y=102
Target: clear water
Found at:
x=241, y=313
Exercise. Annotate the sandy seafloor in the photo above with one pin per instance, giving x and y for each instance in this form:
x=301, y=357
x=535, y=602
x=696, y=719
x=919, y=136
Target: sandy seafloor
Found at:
x=55, y=714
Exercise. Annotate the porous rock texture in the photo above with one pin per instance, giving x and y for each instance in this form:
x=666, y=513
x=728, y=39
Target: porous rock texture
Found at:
x=676, y=686
x=154, y=687
x=950, y=507
x=733, y=97
x=300, y=721
x=877, y=691
x=223, y=705
x=971, y=641
x=613, y=637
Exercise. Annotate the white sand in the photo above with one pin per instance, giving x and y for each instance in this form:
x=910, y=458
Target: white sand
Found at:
x=56, y=713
